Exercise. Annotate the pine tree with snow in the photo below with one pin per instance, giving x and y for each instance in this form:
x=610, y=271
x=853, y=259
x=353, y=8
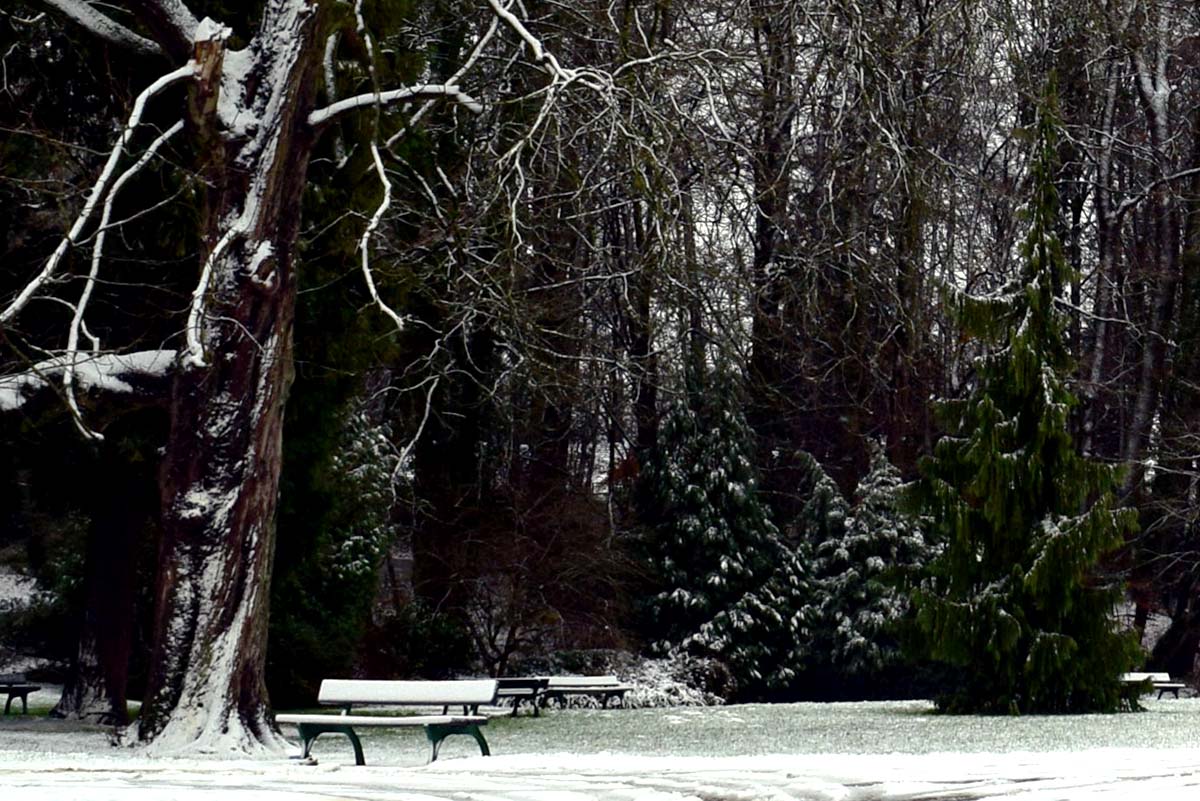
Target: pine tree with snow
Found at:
x=867, y=576
x=727, y=584
x=1015, y=600
x=820, y=530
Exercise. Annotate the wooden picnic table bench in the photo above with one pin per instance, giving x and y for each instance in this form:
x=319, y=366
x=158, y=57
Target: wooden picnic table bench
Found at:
x=350, y=693
x=15, y=686
x=1157, y=681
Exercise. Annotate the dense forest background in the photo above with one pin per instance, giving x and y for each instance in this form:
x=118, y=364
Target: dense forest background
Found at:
x=680, y=325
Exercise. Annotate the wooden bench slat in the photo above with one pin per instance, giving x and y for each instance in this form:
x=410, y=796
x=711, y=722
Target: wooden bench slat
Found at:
x=566, y=682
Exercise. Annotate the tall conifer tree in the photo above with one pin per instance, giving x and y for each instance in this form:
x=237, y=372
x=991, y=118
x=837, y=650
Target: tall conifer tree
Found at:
x=1015, y=598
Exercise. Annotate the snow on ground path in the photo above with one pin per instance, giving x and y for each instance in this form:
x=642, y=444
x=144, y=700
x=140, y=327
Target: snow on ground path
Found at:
x=1105, y=774
x=817, y=752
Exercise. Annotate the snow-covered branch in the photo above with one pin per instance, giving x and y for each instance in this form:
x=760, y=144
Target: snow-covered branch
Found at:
x=87, y=16
x=99, y=189
x=110, y=372
x=454, y=79
x=364, y=243
x=424, y=92
x=194, y=331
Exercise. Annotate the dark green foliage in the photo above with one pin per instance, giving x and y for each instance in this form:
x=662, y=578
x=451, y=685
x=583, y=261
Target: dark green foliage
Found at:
x=1015, y=599
x=726, y=582
x=416, y=642
x=329, y=591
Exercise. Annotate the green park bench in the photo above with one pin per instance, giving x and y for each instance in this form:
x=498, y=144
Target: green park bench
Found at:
x=1153, y=681
x=350, y=693
x=15, y=686
x=602, y=687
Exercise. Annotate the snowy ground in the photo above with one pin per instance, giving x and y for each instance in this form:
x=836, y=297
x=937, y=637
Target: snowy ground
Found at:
x=857, y=752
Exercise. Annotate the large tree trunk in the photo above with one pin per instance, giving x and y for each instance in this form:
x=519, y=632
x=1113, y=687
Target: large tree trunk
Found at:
x=1175, y=652
x=220, y=480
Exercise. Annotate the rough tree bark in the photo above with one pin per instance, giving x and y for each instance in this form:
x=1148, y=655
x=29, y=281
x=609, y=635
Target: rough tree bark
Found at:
x=221, y=471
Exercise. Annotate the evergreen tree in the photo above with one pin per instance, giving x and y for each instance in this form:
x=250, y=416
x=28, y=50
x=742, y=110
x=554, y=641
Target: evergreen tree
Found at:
x=727, y=584
x=820, y=528
x=822, y=519
x=344, y=520
x=1015, y=599
x=867, y=575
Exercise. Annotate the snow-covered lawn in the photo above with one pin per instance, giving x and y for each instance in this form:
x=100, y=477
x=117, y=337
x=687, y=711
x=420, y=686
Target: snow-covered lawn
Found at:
x=855, y=751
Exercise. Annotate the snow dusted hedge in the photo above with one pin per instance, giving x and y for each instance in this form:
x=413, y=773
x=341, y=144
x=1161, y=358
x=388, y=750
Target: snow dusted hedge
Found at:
x=22, y=608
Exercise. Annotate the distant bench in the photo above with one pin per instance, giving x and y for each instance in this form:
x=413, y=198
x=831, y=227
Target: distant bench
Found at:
x=602, y=687
x=540, y=690
x=1157, y=681
x=522, y=688
x=15, y=685
x=349, y=693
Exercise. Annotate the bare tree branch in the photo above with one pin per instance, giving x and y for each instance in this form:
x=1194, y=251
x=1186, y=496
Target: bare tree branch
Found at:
x=171, y=22
x=87, y=16
x=99, y=189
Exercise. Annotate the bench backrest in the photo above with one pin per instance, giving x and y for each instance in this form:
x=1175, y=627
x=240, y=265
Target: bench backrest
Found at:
x=522, y=682
x=12, y=678
x=1132, y=677
x=567, y=682
x=366, y=691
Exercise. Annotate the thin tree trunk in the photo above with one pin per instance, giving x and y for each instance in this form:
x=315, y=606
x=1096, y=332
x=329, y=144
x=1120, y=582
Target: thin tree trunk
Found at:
x=96, y=685
x=1155, y=90
x=774, y=38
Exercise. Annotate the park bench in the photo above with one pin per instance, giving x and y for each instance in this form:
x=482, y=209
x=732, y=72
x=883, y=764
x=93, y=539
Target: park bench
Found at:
x=350, y=693
x=522, y=688
x=1157, y=681
x=602, y=687
x=15, y=685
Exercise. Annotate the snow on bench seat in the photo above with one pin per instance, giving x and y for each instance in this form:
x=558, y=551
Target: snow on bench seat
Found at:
x=357, y=692
x=1158, y=681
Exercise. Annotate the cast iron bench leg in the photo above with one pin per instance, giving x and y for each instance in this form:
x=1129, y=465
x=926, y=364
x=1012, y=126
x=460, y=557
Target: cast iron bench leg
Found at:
x=309, y=732
x=24, y=696
x=436, y=732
